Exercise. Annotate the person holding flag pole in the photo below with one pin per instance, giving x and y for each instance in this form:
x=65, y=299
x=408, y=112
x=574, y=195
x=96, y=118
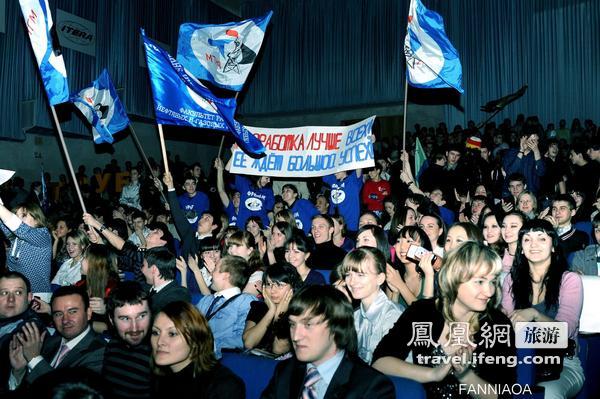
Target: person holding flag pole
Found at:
x=431, y=60
x=38, y=21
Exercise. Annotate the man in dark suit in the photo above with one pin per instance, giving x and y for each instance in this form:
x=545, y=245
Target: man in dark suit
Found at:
x=324, y=339
x=159, y=271
x=32, y=354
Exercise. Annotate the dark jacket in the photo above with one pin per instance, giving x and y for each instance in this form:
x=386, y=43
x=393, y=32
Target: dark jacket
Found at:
x=172, y=292
x=353, y=379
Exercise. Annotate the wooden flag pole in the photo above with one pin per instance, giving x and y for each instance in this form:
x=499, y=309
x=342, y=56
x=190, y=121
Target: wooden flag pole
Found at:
x=404, y=118
x=69, y=164
x=221, y=146
x=163, y=148
x=144, y=157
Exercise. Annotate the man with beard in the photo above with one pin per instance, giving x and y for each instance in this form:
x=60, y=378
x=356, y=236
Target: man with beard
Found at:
x=126, y=366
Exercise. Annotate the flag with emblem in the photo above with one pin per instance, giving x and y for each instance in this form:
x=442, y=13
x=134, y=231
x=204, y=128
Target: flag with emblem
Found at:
x=432, y=62
x=180, y=99
x=42, y=35
x=222, y=54
x=100, y=105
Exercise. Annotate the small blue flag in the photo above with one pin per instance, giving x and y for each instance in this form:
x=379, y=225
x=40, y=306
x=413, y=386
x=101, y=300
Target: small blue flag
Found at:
x=38, y=21
x=179, y=99
x=101, y=106
x=432, y=61
x=222, y=54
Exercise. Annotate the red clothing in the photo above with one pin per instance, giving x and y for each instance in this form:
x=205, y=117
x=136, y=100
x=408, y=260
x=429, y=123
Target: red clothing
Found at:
x=373, y=194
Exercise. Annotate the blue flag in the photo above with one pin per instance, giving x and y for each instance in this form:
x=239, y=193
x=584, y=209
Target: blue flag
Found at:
x=101, y=106
x=222, y=54
x=181, y=100
x=432, y=61
x=38, y=21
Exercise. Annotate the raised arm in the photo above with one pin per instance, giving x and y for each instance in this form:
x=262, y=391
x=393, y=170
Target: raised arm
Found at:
x=111, y=237
x=221, y=183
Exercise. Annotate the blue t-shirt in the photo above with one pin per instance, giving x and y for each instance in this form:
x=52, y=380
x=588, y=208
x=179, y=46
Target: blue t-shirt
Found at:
x=194, y=207
x=303, y=211
x=231, y=214
x=345, y=196
x=254, y=201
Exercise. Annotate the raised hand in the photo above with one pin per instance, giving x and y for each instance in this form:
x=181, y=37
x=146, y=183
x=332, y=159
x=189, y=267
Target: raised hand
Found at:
x=31, y=340
x=168, y=180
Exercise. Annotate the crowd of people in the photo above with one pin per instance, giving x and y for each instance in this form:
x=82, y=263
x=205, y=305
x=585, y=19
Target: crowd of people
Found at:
x=335, y=277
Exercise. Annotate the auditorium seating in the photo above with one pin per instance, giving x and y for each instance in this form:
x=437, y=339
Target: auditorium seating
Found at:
x=257, y=371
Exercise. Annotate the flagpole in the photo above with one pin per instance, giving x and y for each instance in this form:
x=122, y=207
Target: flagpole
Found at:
x=221, y=146
x=163, y=148
x=404, y=117
x=69, y=164
x=143, y=154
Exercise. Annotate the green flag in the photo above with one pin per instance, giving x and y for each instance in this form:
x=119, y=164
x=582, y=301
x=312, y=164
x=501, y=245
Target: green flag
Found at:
x=420, y=159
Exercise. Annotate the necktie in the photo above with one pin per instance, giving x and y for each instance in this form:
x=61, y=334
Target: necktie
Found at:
x=64, y=349
x=312, y=377
x=213, y=304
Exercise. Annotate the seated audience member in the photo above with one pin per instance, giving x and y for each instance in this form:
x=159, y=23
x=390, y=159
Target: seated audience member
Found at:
x=410, y=279
x=563, y=210
x=302, y=209
x=184, y=359
x=210, y=253
x=130, y=196
x=140, y=229
x=433, y=225
x=390, y=204
x=322, y=204
x=540, y=288
x=373, y=236
x=244, y=245
x=297, y=252
x=281, y=232
x=193, y=203
x=325, y=364
x=15, y=298
x=527, y=203
x=363, y=271
x=526, y=159
x=126, y=367
x=159, y=270
x=326, y=254
x=340, y=238
x=345, y=196
x=492, y=232
x=460, y=233
x=367, y=218
x=469, y=294
x=405, y=216
x=70, y=271
x=131, y=257
x=267, y=322
x=227, y=309
x=34, y=353
x=30, y=250
x=60, y=228
x=516, y=185
x=375, y=190
x=511, y=225
x=586, y=260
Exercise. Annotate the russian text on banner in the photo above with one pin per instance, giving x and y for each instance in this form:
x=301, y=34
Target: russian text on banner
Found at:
x=100, y=105
x=180, y=99
x=432, y=62
x=38, y=21
x=309, y=151
x=222, y=54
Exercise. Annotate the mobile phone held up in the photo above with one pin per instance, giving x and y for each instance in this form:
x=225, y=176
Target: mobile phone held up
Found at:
x=416, y=252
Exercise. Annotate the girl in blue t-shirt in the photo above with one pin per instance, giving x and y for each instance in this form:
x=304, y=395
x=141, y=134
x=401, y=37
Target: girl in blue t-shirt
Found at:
x=345, y=196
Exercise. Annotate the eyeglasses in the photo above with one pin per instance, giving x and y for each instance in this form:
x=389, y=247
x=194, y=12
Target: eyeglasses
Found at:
x=279, y=285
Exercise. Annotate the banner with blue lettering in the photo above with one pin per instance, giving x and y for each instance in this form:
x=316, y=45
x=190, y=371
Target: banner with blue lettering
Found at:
x=308, y=151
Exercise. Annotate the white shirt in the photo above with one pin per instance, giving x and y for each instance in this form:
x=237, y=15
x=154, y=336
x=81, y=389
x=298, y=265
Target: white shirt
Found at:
x=228, y=293
x=69, y=273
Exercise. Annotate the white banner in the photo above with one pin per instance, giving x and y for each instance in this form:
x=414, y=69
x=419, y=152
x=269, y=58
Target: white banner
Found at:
x=76, y=33
x=308, y=151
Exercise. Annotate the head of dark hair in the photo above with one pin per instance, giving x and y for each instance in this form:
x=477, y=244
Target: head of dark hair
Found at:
x=440, y=222
x=382, y=242
x=120, y=226
x=283, y=273
x=327, y=218
x=473, y=232
x=137, y=214
x=302, y=243
x=67, y=290
x=565, y=198
x=166, y=236
x=516, y=177
x=125, y=293
x=329, y=303
x=522, y=288
x=164, y=261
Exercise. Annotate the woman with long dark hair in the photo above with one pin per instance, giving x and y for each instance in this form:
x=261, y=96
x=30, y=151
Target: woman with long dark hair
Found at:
x=540, y=288
x=184, y=360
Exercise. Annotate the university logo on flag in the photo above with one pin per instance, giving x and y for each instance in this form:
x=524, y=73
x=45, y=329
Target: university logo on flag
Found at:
x=179, y=99
x=38, y=21
x=431, y=60
x=222, y=54
x=101, y=106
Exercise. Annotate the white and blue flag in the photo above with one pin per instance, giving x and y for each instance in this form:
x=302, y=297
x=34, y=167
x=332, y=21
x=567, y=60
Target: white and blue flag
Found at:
x=222, y=54
x=179, y=99
x=431, y=60
x=38, y=21
x=100, y=105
